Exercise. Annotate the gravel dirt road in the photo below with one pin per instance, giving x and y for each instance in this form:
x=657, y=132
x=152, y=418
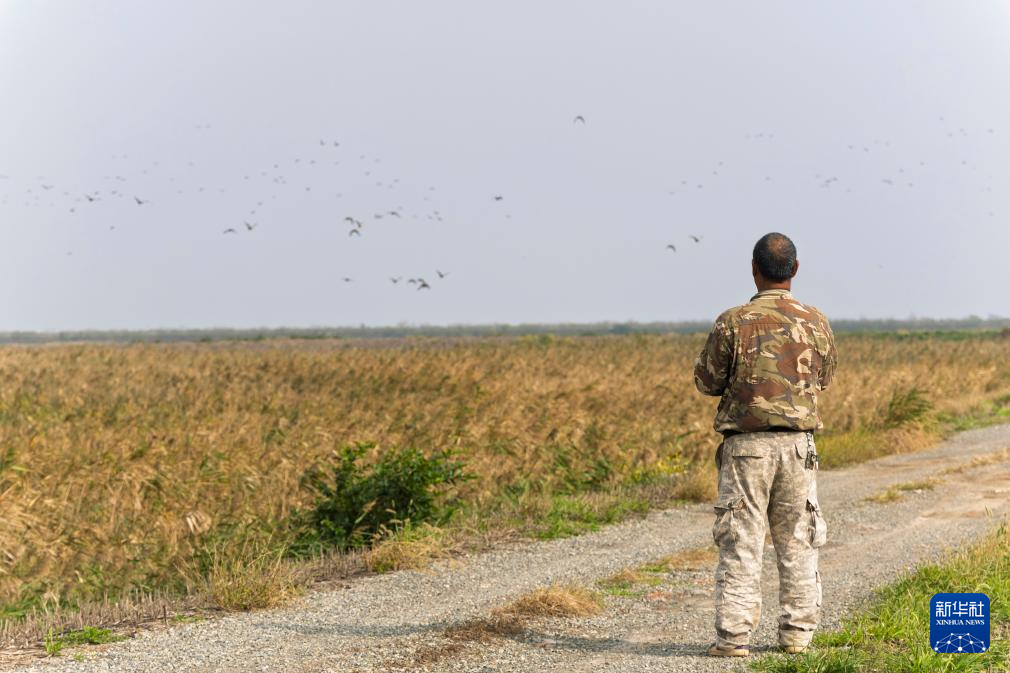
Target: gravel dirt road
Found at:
x=396, y=621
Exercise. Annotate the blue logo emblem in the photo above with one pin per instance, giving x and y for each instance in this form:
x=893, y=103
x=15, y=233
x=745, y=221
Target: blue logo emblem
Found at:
x=959, y=623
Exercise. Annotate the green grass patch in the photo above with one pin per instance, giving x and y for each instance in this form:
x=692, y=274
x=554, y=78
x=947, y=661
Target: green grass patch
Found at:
x=89, y=635
x=629, y=583
x=570, y=515
x=892, y=635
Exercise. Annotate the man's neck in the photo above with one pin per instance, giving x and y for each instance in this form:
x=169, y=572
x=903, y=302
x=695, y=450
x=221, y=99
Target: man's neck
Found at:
x=761, y=287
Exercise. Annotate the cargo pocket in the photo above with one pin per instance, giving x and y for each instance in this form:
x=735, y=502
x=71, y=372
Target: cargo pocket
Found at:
x=818, y=527
x=725, y=510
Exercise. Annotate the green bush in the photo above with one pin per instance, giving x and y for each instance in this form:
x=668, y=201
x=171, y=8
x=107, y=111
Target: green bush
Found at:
x=354, y=502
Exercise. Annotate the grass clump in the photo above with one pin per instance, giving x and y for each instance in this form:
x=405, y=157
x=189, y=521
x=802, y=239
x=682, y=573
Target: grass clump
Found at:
x=628, y=583
x=569, y=515
x=54, y=643
x=906, y=406
x=558, y=600
x=892, y=493
x=250, y=575
x=90, y=635
x=697, y=558
x=892, y=635
x=408, y=546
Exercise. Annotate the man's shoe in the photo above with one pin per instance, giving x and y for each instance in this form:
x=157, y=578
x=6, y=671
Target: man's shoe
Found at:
x=738, y=651
x=795, y=649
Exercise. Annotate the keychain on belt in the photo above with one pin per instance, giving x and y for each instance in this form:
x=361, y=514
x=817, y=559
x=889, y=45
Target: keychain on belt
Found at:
x=812, y=461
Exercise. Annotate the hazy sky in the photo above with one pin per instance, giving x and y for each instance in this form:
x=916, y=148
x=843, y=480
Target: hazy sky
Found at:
x=876, y=134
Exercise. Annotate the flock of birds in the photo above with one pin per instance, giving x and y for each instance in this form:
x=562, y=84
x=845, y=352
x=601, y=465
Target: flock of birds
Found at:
x=268, y=183
x=278, y=179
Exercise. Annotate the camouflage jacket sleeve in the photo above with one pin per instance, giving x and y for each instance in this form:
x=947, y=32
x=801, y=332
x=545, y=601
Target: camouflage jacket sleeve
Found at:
x=712, y=369
x=827, y=370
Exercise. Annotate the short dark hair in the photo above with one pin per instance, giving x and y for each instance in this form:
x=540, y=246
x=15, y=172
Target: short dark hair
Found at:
x=775, y=256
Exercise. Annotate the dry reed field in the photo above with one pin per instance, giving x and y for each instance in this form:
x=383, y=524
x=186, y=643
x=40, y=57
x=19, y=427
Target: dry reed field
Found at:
x=121, y=466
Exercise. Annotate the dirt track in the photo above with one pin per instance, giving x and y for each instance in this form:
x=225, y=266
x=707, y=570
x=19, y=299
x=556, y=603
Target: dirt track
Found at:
x=384, y=622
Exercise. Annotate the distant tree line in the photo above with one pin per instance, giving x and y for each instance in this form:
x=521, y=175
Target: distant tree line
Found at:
x=918, y=326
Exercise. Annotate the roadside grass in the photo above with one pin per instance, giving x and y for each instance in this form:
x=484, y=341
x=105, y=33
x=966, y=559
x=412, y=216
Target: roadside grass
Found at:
x=557, y=600
x=892, y=634
x=696, y=558
x=635, y=582
x=628, y=583
x=892, y=493
x=409, y=547
x=89, y=635
x=250, y=576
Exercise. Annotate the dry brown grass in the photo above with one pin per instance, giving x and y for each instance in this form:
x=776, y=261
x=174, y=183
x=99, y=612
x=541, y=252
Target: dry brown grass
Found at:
x=252, y=579
x=410, y=549
x=485, y=629
x=127, y=615
x=120, y=464
x=558, y=600
x=697, y=558
x=506, y=622
x=698, y=484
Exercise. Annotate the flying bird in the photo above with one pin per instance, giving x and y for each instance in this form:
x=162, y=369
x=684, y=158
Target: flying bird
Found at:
x=396, y=279
x=354, y=232
x=348, y=280
x=139, y=201
x=89, y=197
x=248, y=226
x=671, y=246
x=498, y=197
x=579, y=118
x=412, y=281
x=423, y=285
x=440, y=274
x=229, y=230
x=696, y=239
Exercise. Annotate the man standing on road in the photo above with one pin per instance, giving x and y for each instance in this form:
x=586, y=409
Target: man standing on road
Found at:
x=767, y=360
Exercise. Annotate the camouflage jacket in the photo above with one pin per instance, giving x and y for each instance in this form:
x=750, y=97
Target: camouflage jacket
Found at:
x=767, y=360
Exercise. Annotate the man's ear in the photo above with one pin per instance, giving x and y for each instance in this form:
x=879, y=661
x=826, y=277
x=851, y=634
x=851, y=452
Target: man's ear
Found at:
x=796, y=267
x=754, y=268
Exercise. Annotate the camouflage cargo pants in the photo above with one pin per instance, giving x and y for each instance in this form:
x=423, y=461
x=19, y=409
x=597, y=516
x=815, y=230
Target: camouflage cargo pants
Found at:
x=767, y=476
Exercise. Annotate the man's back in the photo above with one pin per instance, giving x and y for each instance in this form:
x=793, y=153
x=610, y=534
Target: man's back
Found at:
x=767, y=359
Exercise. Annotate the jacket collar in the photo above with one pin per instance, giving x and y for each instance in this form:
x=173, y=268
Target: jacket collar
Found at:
x=772, y=293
